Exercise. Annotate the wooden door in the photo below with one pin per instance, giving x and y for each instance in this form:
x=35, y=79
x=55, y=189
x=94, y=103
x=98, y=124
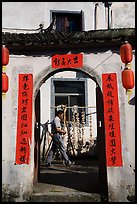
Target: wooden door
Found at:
x=101, y=140
x=37, y=139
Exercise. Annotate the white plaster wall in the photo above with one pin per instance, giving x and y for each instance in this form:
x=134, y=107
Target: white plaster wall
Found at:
x=130, y=121
x=6, y=135
x=65, y=74
x=96, y=64
x=24, y=14
x=17, y=176
x=92, y=102
x=101, y=20
x=45, y=104
x=123, y=14
x=29, y=15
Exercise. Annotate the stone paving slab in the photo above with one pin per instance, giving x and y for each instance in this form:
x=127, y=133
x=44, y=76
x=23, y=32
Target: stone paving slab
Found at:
x=79, y=183
x=66, y=197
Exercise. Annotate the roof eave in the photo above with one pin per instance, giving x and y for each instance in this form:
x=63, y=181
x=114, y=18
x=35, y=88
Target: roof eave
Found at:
x=76, y=40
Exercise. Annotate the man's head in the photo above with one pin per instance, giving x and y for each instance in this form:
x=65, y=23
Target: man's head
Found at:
x=60, y=114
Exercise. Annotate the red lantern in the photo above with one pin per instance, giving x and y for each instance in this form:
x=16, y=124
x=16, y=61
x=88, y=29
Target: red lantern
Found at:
x=5, y=56
x=5, y=83
x=126, y=52
x=128, y=78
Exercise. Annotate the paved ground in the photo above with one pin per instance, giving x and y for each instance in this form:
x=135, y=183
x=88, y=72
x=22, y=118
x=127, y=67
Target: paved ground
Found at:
x=79, y=183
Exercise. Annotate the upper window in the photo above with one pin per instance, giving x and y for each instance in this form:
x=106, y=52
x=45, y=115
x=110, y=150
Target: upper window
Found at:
x=69, y=92
x=67, y=22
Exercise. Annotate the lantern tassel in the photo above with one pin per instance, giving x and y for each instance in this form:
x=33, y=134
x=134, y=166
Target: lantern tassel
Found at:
x=128, y=92
x=4, y=96
x=4, y=69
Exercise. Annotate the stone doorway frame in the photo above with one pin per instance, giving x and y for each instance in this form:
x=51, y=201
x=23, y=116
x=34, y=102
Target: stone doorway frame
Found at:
x=46, y=74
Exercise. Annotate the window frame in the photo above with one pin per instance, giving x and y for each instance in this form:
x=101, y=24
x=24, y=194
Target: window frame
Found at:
x=52, y=111
x=69, y=12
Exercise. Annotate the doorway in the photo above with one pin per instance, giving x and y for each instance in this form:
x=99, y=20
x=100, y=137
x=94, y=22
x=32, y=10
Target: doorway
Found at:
x=87, y=167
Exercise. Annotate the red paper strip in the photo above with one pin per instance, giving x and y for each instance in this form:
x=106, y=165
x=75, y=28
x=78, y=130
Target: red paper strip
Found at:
x=67, y=61
x=24, y=122
x=112, y=121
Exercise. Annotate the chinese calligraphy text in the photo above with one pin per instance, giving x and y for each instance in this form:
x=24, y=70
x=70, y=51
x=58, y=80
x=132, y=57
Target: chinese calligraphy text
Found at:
x=24, y=122
x=112, y=121
x=67, y=61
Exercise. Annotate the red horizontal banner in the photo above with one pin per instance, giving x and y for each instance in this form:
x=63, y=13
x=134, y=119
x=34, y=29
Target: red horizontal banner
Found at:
x=24, y=121
x=112, y=121
x=67, y=61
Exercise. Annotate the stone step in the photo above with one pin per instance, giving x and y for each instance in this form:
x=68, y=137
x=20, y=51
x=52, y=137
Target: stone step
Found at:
x=65, y=197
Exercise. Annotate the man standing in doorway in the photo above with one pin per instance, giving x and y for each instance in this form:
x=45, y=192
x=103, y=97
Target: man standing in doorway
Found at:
x=57, y=139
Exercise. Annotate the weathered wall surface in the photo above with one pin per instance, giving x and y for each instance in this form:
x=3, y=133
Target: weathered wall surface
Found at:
x=28, y=15
x=40, y=67
x=123, y=14
x=40, y=12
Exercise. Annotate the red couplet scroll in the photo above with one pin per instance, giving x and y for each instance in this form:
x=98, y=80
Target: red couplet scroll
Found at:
x=112, y=120
x=24, y=120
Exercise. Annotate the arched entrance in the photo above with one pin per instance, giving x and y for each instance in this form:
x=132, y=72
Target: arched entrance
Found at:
x=45, y=75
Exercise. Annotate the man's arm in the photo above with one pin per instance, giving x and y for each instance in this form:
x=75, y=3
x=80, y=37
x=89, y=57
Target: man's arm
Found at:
x=59, y=130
